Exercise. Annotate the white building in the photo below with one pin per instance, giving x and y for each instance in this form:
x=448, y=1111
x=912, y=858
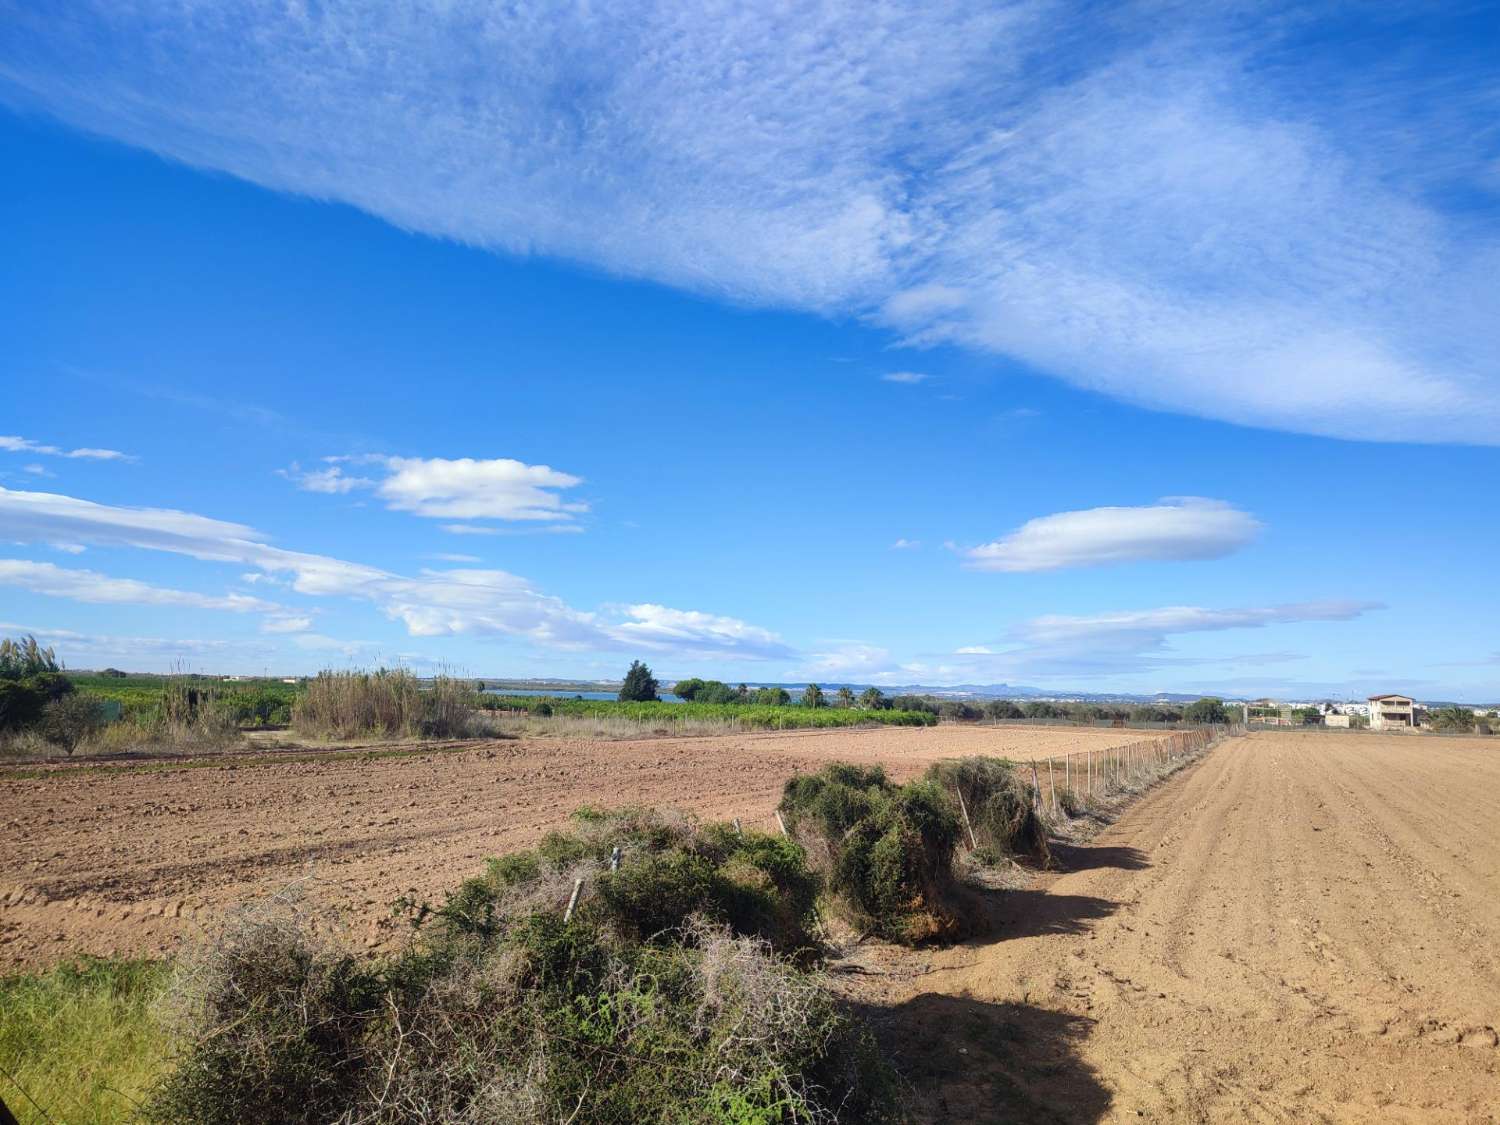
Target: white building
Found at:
x=1392, y=712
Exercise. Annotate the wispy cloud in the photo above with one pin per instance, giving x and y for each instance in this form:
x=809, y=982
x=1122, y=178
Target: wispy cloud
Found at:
x=1178, y=528
x=330, y=479
x=539, y=529
x=907, y=377
x=101, y=648
x=1088, y=645
x=101, y=589
x=443, y=556
x=287, y=625
x=1188, y=213
x=12, y=444
x=432, y=603
x=906, y=544
x=463, y=488
x=691, y=632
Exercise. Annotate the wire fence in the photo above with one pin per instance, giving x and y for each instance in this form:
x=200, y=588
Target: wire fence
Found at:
x=1094, y=775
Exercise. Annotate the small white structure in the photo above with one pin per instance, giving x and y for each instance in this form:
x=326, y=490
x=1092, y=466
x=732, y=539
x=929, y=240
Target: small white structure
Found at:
x=1392, y=712
x=1334, y=719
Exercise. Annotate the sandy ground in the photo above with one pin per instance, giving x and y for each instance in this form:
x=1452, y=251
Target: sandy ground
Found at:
x=132, y=859
x=1300, y=928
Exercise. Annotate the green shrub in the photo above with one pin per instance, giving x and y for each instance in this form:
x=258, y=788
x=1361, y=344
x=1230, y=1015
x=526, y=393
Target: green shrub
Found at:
x=24, y=698
x=277, y=1023
x=530, y=1018
x=887, y=850
x=1001, y=804
x=670, y=869
x=67, y=721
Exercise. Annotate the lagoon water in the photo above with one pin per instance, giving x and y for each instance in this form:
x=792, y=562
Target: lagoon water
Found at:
x=666, y=696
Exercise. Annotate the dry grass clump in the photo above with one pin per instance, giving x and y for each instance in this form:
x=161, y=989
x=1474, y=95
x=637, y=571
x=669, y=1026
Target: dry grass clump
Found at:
x=663, y=998
x=390, y=703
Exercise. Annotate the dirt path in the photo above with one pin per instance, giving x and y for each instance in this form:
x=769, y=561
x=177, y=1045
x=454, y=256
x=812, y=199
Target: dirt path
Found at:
x=1300, y=928
x=128, y=860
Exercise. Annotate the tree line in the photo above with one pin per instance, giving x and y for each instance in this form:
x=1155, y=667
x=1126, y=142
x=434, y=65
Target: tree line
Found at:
x=641, y=686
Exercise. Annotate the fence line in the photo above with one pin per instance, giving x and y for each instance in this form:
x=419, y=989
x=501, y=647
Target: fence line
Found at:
x=1107, y=771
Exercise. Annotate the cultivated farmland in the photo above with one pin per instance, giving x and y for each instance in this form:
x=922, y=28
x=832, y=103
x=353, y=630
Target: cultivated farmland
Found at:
x=105, y=858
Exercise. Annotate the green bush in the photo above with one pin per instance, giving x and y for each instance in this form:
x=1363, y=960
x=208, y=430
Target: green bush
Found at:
x=67, y=721
x=1001, y=804
x=670, y=870
x=887, y=850
x=502, y=1011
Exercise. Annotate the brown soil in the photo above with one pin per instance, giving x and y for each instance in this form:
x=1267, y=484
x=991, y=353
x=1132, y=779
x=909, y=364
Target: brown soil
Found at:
x=116, y=858
x=1300, y=928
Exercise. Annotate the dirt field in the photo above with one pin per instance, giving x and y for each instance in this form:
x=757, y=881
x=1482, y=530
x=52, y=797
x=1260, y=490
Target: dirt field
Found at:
x=1301, y=928
x=128, y=860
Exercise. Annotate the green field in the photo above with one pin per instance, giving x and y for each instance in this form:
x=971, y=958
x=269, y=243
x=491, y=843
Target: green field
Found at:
x=252, y=703
x=756, y=715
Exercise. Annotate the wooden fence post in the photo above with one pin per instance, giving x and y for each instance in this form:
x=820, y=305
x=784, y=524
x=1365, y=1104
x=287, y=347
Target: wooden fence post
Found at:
x=1052, y=786
x=573, y=900
x=963, y=808
x=1036, y=790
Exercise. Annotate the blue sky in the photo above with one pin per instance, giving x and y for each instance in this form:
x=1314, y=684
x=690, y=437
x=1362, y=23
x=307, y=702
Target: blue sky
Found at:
x=1142, y=348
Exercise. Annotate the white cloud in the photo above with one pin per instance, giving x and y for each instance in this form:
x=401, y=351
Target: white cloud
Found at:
x=101, y=649
x=847, y=660
x=287, y=625
x=463, y=488
x=467, y=489
x=38, y=470
x=657, y=626
x=452, y=558
x=1179, y=213
x=1153, y=624
x=330, y=479
x=430, y=604
x=1177, y=528
x=100, y=589
x=1087, y=645
x=13, y=444
x=536, y=529
x=906, y=544
x=908, y=377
